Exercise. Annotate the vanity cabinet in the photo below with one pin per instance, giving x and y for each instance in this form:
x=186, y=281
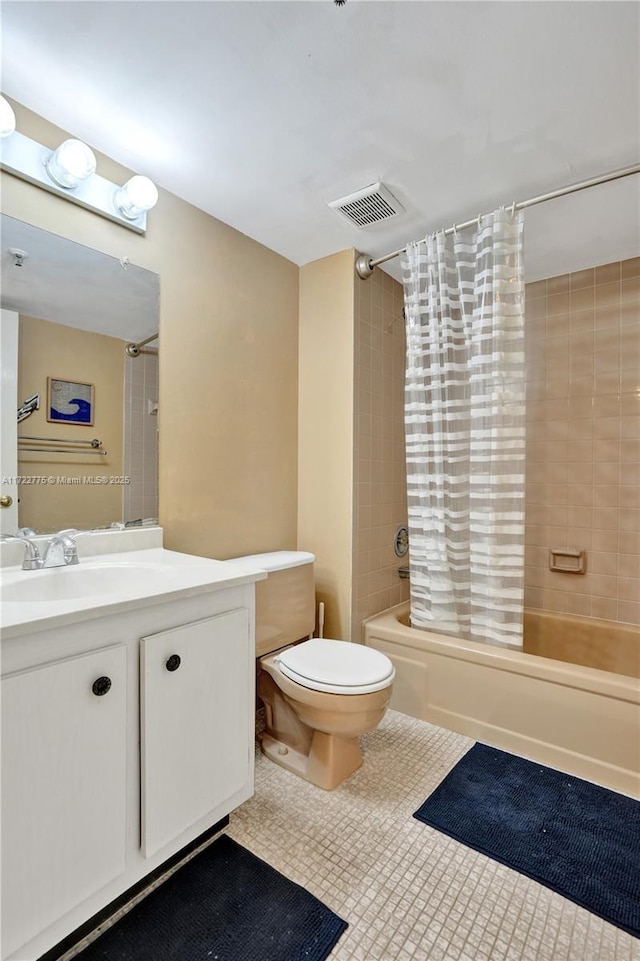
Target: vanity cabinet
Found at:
x=194, y=727
x=124, y=738
x=63, y=788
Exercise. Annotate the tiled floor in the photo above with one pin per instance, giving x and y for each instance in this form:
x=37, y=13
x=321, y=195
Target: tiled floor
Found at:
x=408, y=892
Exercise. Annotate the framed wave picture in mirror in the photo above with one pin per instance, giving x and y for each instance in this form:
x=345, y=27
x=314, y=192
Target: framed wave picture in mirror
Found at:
x=69, y=402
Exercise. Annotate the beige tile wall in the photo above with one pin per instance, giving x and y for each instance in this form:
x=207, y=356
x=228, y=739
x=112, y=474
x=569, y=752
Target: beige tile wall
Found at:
x=583, y=440
x=380, y=501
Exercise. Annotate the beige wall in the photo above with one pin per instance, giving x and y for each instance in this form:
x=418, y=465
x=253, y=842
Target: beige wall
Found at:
x=325, y=439
x=228, y=361
x=352, y=491
x=47, y=350
x=583, y=440
x=380, y=492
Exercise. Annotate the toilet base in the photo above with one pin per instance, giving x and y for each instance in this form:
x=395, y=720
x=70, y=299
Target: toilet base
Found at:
x=330, y=761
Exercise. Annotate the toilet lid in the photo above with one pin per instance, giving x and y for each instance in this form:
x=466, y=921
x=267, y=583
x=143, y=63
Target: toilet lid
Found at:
x=336, y=667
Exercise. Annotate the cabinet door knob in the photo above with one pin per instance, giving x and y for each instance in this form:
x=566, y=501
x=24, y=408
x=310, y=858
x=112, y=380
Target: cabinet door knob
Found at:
x=101, y=686
x=173, y=663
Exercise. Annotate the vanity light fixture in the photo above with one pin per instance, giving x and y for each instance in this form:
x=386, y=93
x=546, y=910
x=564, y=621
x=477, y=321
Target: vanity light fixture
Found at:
x=7, y=118
x=71, y=163
x=69, y=172
x=136, y=197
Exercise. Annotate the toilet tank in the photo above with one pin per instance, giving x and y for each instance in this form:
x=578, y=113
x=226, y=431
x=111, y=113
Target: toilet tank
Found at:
x=285, y=601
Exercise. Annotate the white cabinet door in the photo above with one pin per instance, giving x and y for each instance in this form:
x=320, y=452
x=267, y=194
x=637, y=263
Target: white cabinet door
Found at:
x=63, y=788
x=196, y=691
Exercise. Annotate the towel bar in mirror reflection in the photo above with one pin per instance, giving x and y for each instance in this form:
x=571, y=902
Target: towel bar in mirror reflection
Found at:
x=58, y=445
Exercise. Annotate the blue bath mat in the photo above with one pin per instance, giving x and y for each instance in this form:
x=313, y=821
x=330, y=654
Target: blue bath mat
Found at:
x=574, y=837
x=224, y=905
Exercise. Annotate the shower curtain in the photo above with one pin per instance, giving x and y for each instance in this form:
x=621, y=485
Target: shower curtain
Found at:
x=465, y=432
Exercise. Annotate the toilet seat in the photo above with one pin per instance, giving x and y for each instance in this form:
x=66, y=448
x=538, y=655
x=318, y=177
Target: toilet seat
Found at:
x=336, y=667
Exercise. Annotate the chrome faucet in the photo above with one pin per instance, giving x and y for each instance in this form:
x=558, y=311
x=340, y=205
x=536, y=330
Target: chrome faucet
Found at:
x=61, y=550
x=32, y=560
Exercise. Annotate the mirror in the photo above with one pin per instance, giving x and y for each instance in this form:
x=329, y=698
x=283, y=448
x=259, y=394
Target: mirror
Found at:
x=87, y=456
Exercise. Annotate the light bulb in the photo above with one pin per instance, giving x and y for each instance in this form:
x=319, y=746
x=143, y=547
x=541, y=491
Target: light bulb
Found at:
x=71, y=163
x=7, y=118
x=136, y=197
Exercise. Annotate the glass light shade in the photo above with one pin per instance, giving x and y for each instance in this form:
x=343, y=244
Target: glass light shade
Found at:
x=7, y=118
x=136, y=197
x=71, y=163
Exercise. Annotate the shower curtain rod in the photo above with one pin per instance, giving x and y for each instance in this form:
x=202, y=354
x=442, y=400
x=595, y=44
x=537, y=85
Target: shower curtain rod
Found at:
x=133, y=350
x=365, y=265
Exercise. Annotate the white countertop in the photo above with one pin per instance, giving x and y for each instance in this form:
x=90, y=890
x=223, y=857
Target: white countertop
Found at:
x=110, y=583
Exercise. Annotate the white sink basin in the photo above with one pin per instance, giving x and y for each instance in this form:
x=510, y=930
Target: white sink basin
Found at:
x=109, y=583
x=69, y=583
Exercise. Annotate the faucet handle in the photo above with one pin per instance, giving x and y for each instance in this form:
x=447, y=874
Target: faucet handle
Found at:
x=32, y=560
x=61, y=550
x=70, y=550
x=70, y=553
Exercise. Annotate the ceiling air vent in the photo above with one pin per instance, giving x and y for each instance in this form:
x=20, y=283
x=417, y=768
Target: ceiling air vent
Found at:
x=368, y=206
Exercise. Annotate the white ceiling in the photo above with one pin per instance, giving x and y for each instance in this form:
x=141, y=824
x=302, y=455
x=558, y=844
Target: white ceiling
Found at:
x=262, y=113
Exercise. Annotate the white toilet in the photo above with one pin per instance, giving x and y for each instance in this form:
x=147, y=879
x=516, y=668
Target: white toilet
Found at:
x=319, y=695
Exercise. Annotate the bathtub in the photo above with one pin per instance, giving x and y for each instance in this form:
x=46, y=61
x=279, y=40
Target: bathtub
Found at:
x=582, y=720
x=606, y=645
